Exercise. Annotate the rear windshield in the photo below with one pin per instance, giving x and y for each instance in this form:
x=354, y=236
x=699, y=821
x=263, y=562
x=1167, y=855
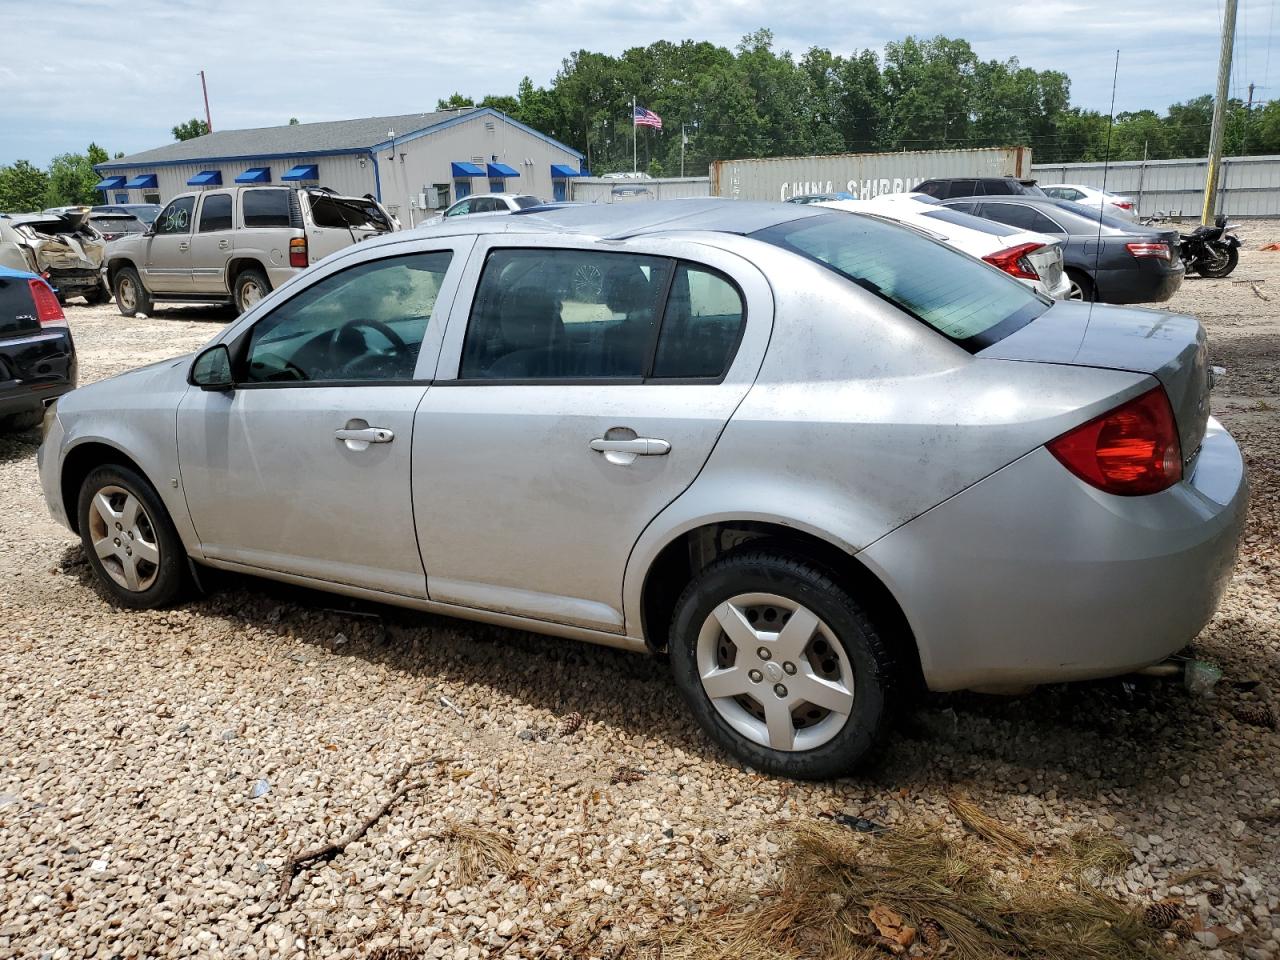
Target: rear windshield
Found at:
x=125, y=224
x=970, y=222
x=525, y=202
x=965, y=300
x=1094, y=214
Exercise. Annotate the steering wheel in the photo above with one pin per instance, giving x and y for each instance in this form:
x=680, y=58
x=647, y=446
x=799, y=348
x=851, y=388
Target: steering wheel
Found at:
x=348, y=350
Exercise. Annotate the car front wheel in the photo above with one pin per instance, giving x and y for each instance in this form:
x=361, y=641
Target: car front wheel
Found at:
x=129, y=539
x=781, y=665
x=131, y=296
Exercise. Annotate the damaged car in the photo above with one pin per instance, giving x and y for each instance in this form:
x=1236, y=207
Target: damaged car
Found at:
x=237, y=244
x=64, y=248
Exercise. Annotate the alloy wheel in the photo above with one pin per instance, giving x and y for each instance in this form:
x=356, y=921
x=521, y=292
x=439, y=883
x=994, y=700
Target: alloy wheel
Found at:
x=128, y=296
x=250, y=294
x=1076, y=292
x=124, y=538
x=775, y=672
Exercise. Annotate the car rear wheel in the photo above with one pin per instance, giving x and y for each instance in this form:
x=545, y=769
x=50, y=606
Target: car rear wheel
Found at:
x=251, y=286
x=781, y=665
x=97, y=296
x=129, y=539
x=1082, y=287
x=131, y=296
x=17, y=422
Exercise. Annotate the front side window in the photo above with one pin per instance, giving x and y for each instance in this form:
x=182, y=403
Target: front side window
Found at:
x=963, y=299
x=215, y=212
x=366, y=323
x=962, y=188
x=265, y=208
x=996, y=187
x=701, y=326
x=176, y=217
x=564, y=314
x=461, y=208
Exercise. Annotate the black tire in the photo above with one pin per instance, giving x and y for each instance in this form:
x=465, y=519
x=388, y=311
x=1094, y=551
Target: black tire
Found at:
x=247, y=280
x=1219, y=268
x=803, y=582
x=19, y=422
x=161, y=583
x=97, y=296
x=131, y=296
x=1084, y=283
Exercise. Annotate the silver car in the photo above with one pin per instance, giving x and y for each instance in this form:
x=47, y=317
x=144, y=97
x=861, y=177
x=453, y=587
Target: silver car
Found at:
x=816, y=456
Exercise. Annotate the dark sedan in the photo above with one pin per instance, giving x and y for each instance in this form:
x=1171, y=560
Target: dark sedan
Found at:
x=37, y=356
x=1114, y=261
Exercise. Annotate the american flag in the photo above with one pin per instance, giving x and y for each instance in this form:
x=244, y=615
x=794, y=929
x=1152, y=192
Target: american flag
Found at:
x=646, y=118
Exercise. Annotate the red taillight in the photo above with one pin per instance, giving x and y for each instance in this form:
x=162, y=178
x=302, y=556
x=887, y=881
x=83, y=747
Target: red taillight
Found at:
x=1122, y=204
x=1014, y=261
x=298, y=252
x=48, y=310
x=1159, y=251
x=1131, y=451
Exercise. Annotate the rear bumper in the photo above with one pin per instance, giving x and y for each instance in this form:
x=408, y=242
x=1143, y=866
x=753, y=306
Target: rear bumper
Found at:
x=35, y=369
x=1145, y=281
x=1032, y=576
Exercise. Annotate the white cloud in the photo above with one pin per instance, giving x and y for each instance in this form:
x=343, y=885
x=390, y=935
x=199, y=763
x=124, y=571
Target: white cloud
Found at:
x=132, y=72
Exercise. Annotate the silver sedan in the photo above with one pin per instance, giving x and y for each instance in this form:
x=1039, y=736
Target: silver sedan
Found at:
x=817, y=457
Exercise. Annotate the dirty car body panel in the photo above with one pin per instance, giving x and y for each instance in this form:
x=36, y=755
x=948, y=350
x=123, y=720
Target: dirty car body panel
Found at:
x=63, y=248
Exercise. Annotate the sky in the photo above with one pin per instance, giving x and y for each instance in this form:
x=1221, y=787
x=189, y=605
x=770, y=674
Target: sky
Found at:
x=132, y=72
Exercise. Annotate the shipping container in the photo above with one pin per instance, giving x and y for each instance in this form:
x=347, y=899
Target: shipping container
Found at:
x=863, y=175
x=627, y=189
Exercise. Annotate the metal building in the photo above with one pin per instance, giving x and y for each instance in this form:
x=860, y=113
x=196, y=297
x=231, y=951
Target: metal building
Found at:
x=414, y=164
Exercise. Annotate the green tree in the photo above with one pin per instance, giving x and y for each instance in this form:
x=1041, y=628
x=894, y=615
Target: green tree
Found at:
x=190, y=130
x=455, y=102
x=23, y=187
x=293, y=121
x=71, y=177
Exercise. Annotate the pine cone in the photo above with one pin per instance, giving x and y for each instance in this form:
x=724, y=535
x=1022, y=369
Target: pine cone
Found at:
x=931, y=934
x=627, y=775
x=721, y=839
x=1256, y=715
x=1216, y=898
x=1183, y=928
x=570, y=724
x=1162, y=915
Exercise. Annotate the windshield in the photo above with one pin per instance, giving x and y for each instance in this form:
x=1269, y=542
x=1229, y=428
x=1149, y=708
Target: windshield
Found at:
x=965, y=300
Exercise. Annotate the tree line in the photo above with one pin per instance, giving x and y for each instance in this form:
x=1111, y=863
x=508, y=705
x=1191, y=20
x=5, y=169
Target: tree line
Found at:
x=755, y=101
x=918, y=94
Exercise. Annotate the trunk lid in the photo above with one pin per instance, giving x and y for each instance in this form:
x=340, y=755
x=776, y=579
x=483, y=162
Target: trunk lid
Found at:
x=338, y=221
x=1168, y=346
x=17, y=307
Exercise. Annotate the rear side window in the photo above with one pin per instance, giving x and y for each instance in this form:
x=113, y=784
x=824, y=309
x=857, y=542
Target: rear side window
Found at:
x=701, y=326
x=564, y=314
x=265, y=208
x=963, y=188
x=994, y=188
x=1022, y=217
x=215, y=212
x=963, y=299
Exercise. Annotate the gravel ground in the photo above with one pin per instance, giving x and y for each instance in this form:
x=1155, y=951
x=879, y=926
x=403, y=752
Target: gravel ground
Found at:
x=158, y=770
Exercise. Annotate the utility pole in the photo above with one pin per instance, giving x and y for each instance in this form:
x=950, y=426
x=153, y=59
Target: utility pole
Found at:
x=683, y=141
x=635, y=133
x=208, y=120
x=1248, y=115
x=1219, y=113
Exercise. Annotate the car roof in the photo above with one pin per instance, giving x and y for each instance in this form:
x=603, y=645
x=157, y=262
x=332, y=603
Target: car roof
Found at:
x=620, y=221
x=9, y=274
x=476, y=196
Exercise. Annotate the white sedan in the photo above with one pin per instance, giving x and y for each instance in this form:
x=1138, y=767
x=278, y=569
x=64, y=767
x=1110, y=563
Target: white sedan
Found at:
x=1033, y=258
x=1112, y=204
x=488, y=203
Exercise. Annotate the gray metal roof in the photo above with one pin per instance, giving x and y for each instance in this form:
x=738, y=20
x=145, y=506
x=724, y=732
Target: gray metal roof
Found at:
x=288, y=140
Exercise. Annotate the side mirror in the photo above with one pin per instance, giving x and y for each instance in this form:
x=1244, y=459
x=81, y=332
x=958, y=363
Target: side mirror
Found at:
x=212, y=369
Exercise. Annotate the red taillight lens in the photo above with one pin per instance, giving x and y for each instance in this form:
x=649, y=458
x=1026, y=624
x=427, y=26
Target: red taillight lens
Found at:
x=1131, y=451
x=1123, y=205
x=48, y=310
x=1159, y=251
x=298, y=252
x=1014, y=261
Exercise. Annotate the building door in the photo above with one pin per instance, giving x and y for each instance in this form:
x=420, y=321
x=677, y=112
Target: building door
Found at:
x=461, y=188
x=559, y=190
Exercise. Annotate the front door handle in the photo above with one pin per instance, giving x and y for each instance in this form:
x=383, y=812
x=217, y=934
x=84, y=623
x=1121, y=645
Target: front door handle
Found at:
x=640, y=446
x=359, y=438
x=184, y=245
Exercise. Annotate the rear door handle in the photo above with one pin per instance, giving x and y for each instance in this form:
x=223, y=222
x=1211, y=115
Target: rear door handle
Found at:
x=360, y=438
x=184, y=245
x=640, y=446
x=224, y=244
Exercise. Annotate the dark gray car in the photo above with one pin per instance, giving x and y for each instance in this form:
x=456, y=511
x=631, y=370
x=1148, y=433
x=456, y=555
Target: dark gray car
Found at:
x=1114, y=261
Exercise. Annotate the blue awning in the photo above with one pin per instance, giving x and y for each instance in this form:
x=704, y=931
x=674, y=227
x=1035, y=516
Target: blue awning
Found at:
x=143, y=181
x=110, y=183
x=498, y=171
x=462, y=169
x=255, y=175
x=206, y=178
x=561, y=170
x=303, y=171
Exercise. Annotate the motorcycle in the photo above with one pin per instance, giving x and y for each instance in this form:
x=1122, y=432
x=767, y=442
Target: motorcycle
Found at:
x=1211, y=251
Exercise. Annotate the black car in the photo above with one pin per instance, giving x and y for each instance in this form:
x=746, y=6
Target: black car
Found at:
x=146, y=212
x=37, y=355
x=948, y=187
x=1108, y=259
x=113, y=226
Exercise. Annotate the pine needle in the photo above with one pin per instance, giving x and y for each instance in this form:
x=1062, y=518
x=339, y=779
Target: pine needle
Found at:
x=477, y=852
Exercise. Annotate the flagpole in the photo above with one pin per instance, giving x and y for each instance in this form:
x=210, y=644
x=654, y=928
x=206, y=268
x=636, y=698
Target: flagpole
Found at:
x=635, y=163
